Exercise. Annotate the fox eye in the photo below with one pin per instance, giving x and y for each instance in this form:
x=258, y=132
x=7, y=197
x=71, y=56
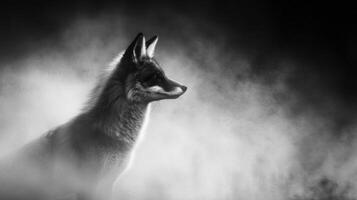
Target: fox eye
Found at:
x=153, y=79
x=156, y=77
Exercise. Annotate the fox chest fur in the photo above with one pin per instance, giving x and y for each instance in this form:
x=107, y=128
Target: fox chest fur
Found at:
x=100, y=146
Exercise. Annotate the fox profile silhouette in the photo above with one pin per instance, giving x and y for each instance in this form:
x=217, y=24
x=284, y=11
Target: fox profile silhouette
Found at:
x=82, y=158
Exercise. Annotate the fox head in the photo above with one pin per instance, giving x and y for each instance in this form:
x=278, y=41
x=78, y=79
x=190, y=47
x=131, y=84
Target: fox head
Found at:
x=143, y=79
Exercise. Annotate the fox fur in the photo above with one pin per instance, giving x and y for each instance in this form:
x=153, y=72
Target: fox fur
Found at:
x=82, y=158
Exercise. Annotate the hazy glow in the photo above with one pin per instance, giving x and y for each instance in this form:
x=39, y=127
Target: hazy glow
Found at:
x=224, y=139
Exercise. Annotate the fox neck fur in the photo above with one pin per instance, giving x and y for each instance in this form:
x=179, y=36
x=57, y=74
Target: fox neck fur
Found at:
x=120, y=120
x=111, y=114
x=120, y=126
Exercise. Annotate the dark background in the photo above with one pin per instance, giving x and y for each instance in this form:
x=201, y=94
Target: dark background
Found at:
x=319, y=36
x=316, y=38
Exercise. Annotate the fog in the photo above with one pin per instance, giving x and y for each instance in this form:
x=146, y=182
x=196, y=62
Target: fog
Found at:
x=230, y=136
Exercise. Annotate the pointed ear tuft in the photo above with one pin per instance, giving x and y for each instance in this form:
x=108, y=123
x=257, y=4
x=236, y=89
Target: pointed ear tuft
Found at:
x=151, y=44
x=140, y=48
x=130, y=51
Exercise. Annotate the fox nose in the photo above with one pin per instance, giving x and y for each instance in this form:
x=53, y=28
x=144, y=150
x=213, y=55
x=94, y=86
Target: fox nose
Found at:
x=184, y=88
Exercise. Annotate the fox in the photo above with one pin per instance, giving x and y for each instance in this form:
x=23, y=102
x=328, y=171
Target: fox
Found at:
x=82, y=158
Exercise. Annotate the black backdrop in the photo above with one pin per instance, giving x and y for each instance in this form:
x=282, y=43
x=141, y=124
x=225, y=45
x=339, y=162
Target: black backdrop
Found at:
x=318, y=35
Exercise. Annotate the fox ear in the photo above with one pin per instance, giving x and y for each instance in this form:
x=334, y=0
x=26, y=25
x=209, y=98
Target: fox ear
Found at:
x=140, y=50
x=151, y=44
x=132, y=52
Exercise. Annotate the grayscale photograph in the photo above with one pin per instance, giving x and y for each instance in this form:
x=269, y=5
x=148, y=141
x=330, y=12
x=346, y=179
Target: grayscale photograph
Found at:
x=178, y=100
